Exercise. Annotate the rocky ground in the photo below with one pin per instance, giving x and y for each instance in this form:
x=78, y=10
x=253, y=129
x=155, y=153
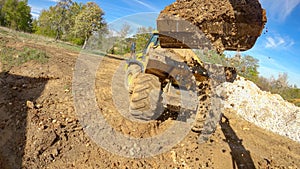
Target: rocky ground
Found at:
x=40, y=129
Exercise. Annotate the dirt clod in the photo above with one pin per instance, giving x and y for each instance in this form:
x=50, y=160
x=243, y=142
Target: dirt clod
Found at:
x=30, y=104
x=228, y=24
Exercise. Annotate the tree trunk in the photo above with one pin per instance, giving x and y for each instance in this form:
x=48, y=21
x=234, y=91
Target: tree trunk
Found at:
x=57, y=35
x=85, y=42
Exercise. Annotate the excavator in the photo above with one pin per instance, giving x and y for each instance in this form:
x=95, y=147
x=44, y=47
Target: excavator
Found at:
x=168, y=77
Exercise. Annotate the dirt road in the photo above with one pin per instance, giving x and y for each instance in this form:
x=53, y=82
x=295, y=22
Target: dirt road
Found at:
x=39, y=127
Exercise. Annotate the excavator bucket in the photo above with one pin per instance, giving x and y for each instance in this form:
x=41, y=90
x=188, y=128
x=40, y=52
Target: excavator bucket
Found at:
x=224, y=24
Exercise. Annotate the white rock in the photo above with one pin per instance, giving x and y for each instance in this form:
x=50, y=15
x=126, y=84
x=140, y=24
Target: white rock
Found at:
x=266, y=110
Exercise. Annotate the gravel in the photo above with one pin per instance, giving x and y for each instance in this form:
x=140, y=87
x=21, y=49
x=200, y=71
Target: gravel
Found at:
x=266, y=110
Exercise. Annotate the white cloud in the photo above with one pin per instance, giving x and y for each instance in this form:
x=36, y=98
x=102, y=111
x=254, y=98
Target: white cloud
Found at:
x=35, y=11
x=54, y=0
x=147, y=5
x=278, y=42
x=35, y=15
x=280, y=9
x=141, y=5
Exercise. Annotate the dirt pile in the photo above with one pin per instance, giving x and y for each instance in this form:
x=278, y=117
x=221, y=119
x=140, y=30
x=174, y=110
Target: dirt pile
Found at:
x=230, y=24
x=264, y=109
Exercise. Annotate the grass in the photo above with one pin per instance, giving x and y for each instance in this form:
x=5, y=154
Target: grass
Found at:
x=23, y=36
x=11, y=57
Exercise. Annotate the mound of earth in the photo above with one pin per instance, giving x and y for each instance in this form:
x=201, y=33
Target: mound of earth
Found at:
x=266, y=110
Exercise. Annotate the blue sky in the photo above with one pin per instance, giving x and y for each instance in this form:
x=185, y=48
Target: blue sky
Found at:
x=278, y=49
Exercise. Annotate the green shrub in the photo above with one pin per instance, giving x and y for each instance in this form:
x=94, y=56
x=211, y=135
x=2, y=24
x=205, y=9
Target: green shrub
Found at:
x=77, y=41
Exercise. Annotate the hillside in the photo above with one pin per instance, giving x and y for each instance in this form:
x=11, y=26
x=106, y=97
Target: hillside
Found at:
x=40, y=129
